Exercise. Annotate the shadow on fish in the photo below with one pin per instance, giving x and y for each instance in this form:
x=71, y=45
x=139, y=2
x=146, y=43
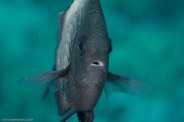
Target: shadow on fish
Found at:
x=81, y=67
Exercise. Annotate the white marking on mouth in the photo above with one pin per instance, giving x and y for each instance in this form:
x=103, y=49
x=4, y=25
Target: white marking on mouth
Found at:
x=97, y=63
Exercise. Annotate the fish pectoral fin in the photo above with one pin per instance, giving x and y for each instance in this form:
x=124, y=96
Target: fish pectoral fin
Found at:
x=42, y=79
x=117, y=83
x=61, y=23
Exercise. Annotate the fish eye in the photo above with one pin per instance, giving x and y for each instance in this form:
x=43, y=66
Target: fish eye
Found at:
x=81, y=47
x=81, y=44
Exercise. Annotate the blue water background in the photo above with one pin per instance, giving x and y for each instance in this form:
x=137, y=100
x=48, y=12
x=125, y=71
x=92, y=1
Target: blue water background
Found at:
x=148, y=45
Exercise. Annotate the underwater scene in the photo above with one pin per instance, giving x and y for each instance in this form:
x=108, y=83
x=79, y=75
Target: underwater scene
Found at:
x=148, y=46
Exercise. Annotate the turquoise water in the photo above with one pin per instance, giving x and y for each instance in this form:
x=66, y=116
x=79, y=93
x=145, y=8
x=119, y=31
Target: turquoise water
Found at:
x=148, y=40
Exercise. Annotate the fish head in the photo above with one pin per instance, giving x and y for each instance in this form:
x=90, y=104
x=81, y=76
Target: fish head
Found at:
x=91, y=45
x=90, y=58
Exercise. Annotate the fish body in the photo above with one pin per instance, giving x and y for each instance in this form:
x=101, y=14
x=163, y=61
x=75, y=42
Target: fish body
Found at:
x=82, y=59
x=84, y=21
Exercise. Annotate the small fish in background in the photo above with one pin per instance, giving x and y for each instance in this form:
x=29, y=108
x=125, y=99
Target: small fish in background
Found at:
x=81, y=68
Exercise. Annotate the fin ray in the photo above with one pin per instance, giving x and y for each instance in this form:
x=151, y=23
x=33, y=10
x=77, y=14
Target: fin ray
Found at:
x=117, y=83
x=42, y=79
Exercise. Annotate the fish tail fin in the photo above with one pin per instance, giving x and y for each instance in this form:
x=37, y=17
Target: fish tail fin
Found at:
x=85, y=116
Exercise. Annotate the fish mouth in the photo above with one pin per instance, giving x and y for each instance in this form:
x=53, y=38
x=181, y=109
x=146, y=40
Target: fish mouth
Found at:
x=96, y=64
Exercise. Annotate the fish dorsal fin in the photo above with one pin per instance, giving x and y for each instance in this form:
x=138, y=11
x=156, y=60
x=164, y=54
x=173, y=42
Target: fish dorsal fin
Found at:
x=61, y=23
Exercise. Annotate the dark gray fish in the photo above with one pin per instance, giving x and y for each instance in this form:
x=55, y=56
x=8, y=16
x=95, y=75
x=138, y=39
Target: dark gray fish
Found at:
x=81, y=68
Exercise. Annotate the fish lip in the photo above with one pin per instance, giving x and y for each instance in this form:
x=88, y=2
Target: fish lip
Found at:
x=96, y=64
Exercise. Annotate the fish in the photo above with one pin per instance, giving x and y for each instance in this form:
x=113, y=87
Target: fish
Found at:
x=81, y=73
